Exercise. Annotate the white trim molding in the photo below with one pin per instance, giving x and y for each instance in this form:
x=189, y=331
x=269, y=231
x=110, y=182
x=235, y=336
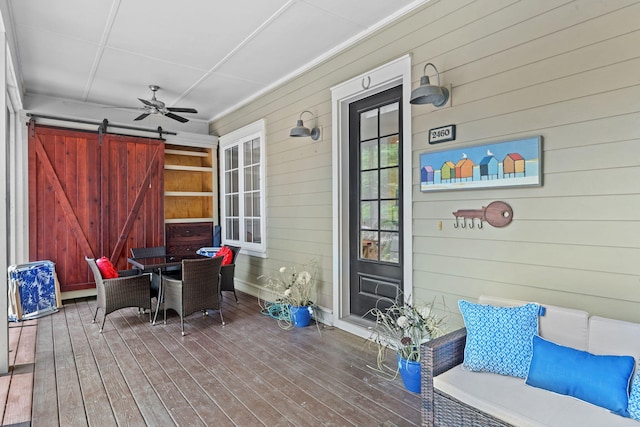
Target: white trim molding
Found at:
x=394, y=73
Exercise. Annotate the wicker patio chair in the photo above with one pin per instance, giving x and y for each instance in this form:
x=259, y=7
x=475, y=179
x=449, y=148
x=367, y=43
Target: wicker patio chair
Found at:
x=129, y=290
x=227, y=273
x=148, y=252
x=438, y=408
x=199, y=289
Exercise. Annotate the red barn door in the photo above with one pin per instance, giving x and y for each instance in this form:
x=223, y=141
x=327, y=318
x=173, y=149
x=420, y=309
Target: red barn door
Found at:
x=93, y=196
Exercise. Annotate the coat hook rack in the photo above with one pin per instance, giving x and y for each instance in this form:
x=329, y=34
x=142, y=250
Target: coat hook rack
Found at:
x=497, y=214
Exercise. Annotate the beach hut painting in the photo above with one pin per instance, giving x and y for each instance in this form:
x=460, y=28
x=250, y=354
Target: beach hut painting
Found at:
x=501, y=164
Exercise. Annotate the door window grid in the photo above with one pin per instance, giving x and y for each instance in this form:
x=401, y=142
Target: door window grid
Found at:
x=379, y=184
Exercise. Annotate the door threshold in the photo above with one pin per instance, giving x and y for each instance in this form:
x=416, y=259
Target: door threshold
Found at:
x=356, y=325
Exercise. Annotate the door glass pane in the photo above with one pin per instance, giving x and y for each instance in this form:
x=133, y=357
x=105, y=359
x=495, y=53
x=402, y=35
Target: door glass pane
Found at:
x=369, y=185
x=389, y=215
x=369, y=215
x=248, y=182
x=248, y=227
x=255, y=176
x=369, y=125
x=389, y=149
x=256, y=151
x=228, y=204
x=389, y=183
x=369, y=244
x=389, y=119
x=233, y=206
x=248, y=204
x=252, y=204
x=232, y=229
x=257, y=236
x=369, y=155
x=256, y=204
x=231, y=158
x=231, y=181
x=248, y=148
x=390, y=247
x=252, y=229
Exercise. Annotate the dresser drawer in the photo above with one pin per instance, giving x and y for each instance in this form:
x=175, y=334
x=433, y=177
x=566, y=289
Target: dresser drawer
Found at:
x=186, y=238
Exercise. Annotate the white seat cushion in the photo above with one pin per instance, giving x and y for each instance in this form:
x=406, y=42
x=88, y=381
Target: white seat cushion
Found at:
x=511, y=400
x=611, y=336
x=564, y=326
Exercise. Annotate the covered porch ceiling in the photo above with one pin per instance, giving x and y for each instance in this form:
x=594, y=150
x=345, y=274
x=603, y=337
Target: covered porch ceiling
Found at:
x=212, y=56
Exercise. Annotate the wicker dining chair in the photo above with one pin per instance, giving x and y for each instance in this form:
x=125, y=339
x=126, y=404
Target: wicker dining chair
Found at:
x=198, y=289
x=131, y=289
x=227, y=273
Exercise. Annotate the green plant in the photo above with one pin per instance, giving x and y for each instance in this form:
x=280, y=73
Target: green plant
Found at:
x=402, y=327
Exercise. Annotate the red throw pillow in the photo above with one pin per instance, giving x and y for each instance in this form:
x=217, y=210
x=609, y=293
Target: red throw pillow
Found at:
x=107, y=269
x=226, y=253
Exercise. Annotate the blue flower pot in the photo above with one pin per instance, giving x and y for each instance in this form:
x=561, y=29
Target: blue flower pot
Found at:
x=300, y=316
x=410, y=373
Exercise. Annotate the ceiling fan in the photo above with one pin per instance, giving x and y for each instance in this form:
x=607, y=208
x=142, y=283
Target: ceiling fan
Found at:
x=155, y=106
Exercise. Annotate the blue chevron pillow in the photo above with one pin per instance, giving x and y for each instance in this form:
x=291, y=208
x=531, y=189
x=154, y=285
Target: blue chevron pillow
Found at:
x=499, y=339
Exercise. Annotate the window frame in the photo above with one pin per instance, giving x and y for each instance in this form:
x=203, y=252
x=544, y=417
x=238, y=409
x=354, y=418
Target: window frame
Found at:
x=236, y=139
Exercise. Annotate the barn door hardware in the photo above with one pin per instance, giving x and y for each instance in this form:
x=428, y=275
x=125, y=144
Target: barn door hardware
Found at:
x=497, y=214
x=102, y=126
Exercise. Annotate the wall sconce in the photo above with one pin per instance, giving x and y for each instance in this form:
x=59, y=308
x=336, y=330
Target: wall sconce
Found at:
x=427, y=93
x=300, y=130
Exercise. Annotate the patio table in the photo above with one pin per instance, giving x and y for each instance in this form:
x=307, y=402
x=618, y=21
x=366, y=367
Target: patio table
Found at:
x=156, y=265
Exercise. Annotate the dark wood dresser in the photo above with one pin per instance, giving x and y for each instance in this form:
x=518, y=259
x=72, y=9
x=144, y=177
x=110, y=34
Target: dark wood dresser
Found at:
x=186, y=238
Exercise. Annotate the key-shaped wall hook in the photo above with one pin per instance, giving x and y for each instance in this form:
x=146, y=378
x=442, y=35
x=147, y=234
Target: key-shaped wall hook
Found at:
x=497, y=214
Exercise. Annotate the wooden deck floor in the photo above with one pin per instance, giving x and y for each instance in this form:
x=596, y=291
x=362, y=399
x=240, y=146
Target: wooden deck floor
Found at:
x=247, y=373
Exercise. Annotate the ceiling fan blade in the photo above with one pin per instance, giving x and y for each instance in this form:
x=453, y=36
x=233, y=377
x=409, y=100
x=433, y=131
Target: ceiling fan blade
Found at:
x=145, y=102
x=141, y=116
x=176, y=117
x=183, y=110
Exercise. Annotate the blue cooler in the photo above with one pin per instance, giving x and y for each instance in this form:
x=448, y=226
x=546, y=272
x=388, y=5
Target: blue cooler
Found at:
x=32, y=290
x=208, y=251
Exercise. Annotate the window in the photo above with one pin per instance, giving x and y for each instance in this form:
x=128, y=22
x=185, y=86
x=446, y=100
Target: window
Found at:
x=242, y=188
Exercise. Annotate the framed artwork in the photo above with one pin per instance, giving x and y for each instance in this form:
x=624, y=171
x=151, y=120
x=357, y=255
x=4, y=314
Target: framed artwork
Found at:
x=501, y=164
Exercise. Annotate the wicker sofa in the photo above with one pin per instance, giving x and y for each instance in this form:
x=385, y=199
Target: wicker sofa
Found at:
x=457, y=397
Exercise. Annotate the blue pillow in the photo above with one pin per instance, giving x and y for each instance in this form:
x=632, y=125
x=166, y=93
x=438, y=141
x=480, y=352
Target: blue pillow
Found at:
x=499, y=339
x=601, y=380
x=634, y=397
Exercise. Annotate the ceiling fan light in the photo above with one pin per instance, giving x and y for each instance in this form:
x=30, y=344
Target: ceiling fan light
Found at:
x=155, y=106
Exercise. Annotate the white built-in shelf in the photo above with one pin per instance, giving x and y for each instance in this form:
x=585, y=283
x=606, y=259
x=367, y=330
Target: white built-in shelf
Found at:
x=188, y=193
x=189, y=168
x=180, y=220
x=187, y=153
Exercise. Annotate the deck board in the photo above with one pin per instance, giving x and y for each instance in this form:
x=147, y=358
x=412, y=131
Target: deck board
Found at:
x=44, y=407
x=18, y=399
x=247, y=373
x=69, y=396
x=123, y=398
x=93, y=391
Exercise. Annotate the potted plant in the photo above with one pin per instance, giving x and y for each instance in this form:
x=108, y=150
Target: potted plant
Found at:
x=402, y=327
x=295, y=290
